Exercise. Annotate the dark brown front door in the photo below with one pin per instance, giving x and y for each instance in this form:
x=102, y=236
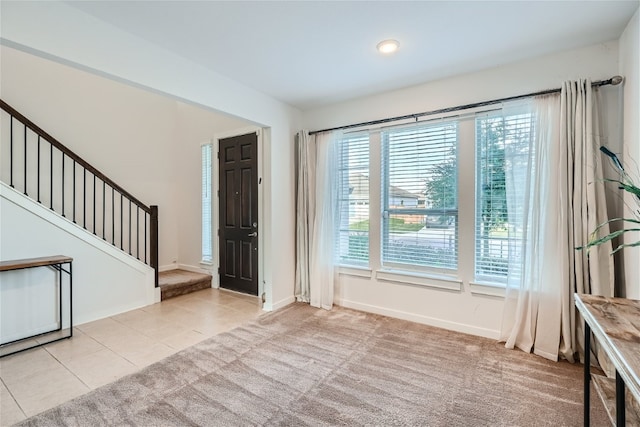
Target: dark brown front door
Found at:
x=239, y=213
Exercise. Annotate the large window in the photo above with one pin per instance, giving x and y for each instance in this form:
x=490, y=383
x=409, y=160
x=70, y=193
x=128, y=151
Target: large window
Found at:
x=353, y=175
x=439, y=199
x=502, y=144
x=207, y=247
x=420, y=196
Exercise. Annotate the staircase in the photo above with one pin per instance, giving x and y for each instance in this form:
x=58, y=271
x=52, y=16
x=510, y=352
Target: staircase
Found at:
x=180, y=282
x=43, y=169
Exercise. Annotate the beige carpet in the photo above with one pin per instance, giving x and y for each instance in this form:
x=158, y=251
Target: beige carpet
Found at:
x=301, y=366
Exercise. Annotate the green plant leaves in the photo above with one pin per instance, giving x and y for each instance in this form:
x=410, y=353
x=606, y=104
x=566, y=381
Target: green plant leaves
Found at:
x=627, y=186
x=594, y=241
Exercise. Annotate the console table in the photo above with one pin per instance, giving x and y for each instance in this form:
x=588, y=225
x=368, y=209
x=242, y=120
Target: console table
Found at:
x=615, y=323
x=58, y=263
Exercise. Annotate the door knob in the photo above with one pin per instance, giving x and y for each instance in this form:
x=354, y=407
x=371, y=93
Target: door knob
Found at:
x=254, y=234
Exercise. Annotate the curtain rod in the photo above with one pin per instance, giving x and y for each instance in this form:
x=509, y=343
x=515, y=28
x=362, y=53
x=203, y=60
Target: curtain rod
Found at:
x=615, y=80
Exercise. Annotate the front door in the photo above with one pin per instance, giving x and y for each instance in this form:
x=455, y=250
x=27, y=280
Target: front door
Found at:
x=239, y=213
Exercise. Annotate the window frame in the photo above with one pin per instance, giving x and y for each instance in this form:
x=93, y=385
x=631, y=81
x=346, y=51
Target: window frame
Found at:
x=506, y=115
x=207, y=203
x=432, y=277
x=388, y=211
x=346, y=261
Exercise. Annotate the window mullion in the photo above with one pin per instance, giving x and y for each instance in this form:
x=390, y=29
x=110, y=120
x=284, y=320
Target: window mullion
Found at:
x=466, y=199
x=375, y=205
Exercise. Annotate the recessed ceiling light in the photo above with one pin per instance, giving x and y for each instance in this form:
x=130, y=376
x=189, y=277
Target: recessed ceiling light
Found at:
x=388, y=46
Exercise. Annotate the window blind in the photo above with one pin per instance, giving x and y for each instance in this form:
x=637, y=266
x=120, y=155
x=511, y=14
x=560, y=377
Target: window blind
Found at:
x=502, y=144
x=353, y=176
x=420, y=197
x=207, y=247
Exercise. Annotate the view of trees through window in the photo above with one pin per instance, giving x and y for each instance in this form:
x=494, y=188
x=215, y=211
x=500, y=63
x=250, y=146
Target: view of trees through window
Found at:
x=502, y=144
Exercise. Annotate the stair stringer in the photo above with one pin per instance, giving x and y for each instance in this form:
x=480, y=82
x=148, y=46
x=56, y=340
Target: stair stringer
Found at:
x=106, y=280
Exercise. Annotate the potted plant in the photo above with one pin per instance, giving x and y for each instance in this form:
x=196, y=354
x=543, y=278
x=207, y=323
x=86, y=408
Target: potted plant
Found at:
x=625, y=183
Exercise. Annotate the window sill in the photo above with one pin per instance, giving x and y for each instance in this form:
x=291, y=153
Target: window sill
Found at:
x=491, y=289
x=207, y=263
x=354, y=271
x=420, y=279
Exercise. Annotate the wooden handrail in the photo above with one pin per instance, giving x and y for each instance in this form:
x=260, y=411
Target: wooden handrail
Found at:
x=38, y=131
x=135, y=228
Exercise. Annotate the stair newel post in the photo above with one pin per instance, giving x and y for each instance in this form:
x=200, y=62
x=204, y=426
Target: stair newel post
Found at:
x=153, y=240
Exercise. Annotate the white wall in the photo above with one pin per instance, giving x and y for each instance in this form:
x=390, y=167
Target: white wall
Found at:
x=63, y=33
x=194, y=127
x=596, y=62
x=630, y=69
x=105, y=281
x=468, y=310
x=124, y=132
x=147, y=142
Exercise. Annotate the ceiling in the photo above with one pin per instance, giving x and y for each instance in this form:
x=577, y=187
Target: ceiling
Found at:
x=313, y=53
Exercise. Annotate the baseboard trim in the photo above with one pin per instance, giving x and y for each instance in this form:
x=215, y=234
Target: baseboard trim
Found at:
x=155, y=295
x=168, y=267
x=194, y=269
x=419, y=318
x=185, y=267
x=278, y=305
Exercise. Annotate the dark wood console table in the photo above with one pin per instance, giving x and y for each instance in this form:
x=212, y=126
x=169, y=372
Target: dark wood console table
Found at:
x=56, y=262
x=615, y=323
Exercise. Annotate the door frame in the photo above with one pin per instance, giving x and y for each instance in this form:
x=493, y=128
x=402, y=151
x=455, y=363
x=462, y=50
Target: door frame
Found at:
x=215, y=203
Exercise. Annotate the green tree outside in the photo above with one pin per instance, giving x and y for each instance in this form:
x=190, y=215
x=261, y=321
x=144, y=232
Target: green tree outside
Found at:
x=442, y=188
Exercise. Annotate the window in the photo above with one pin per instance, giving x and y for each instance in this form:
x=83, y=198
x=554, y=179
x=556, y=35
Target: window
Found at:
x=420, y=197
x=353, y=184
x=444, y=202
x=502, y=151
x=207, y=247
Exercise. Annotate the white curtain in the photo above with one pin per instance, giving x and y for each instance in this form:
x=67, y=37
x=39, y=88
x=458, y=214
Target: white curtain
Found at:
x=305, y=208
x=533, y=197
x=560, y=187
x=316, y=218
x=593, y=272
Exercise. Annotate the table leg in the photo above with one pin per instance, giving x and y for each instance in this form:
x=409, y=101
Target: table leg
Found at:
x=587, y=373
x=59, y=268
x=70, y=300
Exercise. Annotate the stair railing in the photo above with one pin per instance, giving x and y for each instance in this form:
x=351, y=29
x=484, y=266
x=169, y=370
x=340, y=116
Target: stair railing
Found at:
x=74, y=189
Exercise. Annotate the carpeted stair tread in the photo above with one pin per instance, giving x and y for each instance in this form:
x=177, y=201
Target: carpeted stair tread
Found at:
x=180, y=282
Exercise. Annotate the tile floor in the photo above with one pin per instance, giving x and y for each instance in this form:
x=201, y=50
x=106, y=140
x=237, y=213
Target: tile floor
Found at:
x=107, y=349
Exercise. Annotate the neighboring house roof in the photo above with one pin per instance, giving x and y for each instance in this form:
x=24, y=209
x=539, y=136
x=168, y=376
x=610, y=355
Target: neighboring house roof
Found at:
x=360, y=186
x=401, y=193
